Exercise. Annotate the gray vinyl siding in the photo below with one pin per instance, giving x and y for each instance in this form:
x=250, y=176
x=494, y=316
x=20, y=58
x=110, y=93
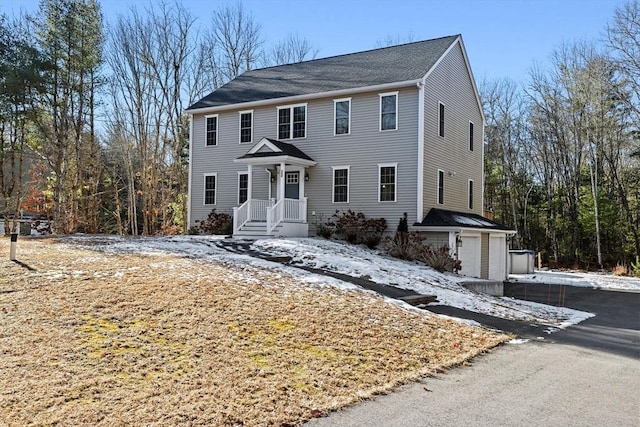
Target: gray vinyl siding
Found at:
x=219, y=159
x=450, y=84
x=363, y=149
x=436, y=239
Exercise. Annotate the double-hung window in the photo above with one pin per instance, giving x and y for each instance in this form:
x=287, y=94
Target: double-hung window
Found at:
x=292, y=122
x=470, y=136
x=387, y=182
x=211, y=130
x=246, y=126
x=389, y=111
x=342, y=116
x=243, y=187
x=440, y=119
x=470, y=194
x=210, y=188
x=440, y=187
x=341, y=184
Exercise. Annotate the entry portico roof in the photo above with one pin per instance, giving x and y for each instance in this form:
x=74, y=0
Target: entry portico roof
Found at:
x=272, y=151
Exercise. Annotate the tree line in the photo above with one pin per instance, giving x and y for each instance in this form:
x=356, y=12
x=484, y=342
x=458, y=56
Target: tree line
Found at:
x=562, y=163
x=92, y=128
x=93, y=133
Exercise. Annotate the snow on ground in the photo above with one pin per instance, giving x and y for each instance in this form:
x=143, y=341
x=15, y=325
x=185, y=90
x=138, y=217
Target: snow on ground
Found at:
x=582, y=279
x=345, y=259
x=360, y=262
x=197, y=247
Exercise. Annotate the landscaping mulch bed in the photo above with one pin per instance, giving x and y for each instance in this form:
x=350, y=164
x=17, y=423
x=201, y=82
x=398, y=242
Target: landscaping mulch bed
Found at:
x=93, y=338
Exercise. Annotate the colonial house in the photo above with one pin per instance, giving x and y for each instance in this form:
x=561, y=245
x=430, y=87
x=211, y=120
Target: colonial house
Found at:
x=382, y=132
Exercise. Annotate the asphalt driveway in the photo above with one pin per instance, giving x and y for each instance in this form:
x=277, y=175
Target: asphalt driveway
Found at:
x=587, y=375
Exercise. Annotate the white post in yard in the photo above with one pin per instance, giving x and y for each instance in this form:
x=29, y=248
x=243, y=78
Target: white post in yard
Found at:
x=12, y=250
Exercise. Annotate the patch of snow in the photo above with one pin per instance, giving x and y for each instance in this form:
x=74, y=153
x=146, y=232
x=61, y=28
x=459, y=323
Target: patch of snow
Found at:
x=581, y=279
x=340, y=258
x=358, y=261
x=518, y=341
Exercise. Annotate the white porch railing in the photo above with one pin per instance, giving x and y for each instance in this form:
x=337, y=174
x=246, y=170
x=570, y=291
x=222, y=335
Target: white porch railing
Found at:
x=251, y=210
x=287, y=210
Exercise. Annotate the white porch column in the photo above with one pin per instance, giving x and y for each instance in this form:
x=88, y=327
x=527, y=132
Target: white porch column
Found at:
x=249, y=180
x=301, y=180
x=281, y=176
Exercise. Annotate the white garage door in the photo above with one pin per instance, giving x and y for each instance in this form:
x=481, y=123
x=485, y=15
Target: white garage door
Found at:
x=497, y=258
x=469, y=255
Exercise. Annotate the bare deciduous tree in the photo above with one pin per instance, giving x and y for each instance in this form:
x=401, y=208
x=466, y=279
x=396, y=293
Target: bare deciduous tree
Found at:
x=290, y=50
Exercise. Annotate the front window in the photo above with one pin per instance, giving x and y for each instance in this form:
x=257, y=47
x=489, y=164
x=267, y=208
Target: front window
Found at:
x=440, y=187
x=441, y=119
x=342, y=113
x=212, y=130
x=210, y=189
x=387, y=188
x=246, y=126
x=388, y=111
x=470, y=136
x=292, y=122
x=341, y=185
x=470, y=194
x=243, y=188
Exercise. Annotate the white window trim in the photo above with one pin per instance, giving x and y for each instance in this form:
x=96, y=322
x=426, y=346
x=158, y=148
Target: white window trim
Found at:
x=395, y=192
x=204, y=190
x=335, y=101
x=333, y=182
x=471, y=135
x=470, y=195
x=217, y=129
x=291, y=107
x=240, y=173
x=380, y=96
x=438, y=187
x=240, y=113
x=444, y=124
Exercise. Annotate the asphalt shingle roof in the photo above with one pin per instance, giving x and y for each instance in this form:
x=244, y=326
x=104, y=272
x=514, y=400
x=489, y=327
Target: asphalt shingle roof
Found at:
x=400, y=63
x=444, y=218
x=286, y=149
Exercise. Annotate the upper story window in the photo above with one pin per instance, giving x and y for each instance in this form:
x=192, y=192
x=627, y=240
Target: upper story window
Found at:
x=210, y=189
x=341, y=184
x=387, y=182
x=440, y=187
x=470, y=136
x=470, y=194
x=342, y=115
x=211, y=130
x=292, y=122
x=388, y=111
x=246, y=126
x=441, y=119
x=243, y=187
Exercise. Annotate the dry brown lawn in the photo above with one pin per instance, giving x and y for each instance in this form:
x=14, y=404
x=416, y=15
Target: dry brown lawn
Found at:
x=88, y=338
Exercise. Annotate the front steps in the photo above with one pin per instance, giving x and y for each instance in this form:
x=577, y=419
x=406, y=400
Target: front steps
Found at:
x=255, y=230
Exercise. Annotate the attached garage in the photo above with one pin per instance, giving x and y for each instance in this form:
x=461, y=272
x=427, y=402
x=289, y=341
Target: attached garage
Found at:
x=479, y=243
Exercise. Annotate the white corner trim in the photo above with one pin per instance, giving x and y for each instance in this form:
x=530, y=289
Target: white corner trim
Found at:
x=189, y=184
x=420, y=186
